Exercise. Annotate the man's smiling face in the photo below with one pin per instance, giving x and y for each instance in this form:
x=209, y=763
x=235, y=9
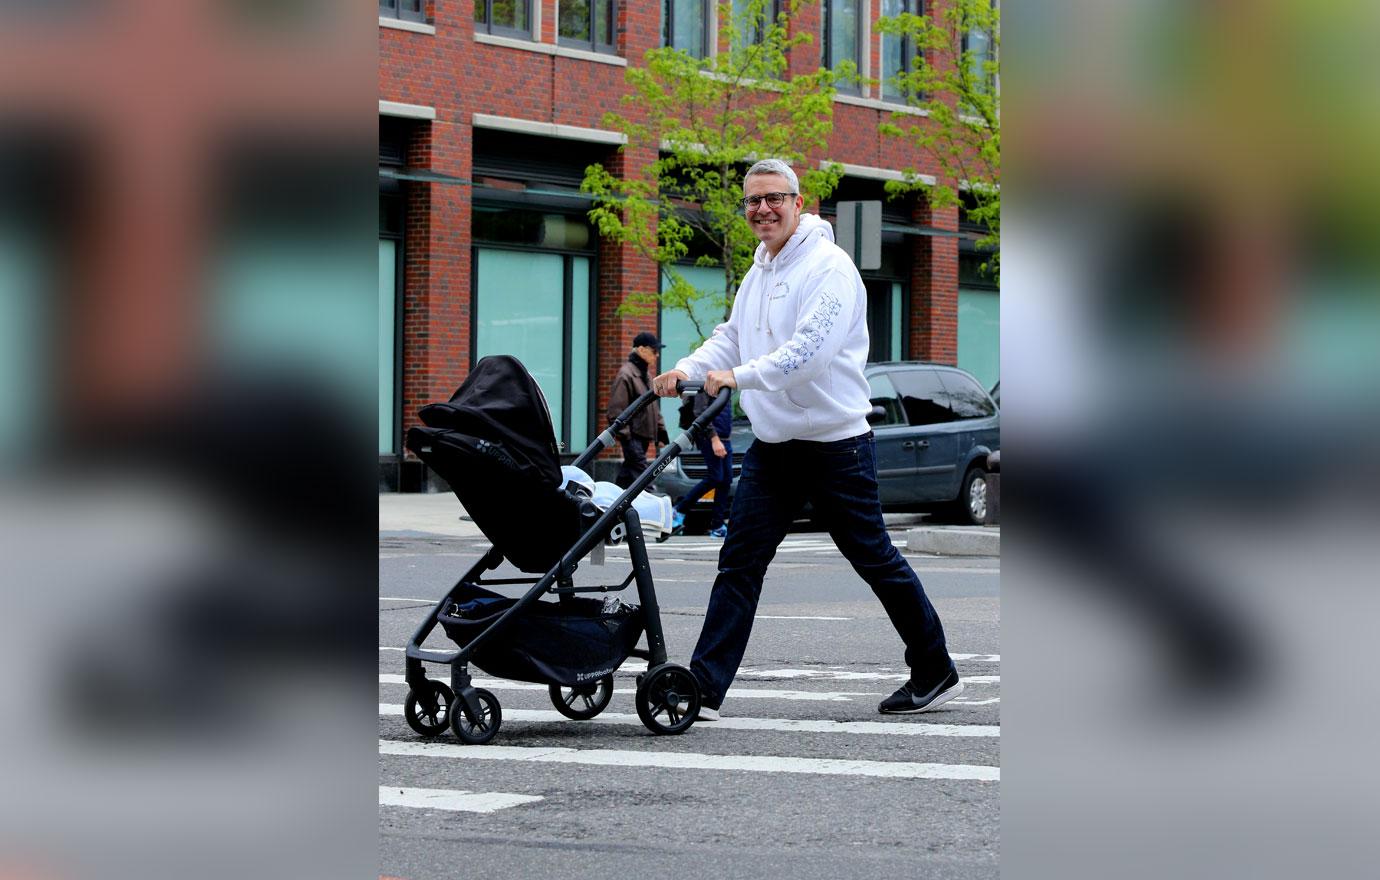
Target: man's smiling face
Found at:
x=772, y=226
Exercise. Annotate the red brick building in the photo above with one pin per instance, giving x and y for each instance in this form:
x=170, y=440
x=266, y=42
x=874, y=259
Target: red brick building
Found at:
x=489, y=112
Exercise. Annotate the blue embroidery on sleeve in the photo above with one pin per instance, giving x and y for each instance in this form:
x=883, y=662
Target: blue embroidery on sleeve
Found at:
x=798, y=352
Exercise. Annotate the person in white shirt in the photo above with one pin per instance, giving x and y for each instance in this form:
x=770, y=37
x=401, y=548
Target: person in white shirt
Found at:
x=795, y=346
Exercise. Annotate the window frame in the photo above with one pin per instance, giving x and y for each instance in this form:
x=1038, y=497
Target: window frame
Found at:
x=591, y=253
x=908, y=54
x=770, y=13
x=393, y=9
x=488, y=27
x=592, y=44
x=827, y=46
x=668, y=32
x=992, y=85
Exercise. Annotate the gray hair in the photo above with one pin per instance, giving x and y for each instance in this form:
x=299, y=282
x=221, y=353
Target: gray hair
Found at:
x=774, y=166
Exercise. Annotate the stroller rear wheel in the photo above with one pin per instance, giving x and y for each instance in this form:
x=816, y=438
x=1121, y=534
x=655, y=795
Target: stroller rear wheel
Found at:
x=481, y=730
x=584, y=701
x=428, y=714
x=668, y=699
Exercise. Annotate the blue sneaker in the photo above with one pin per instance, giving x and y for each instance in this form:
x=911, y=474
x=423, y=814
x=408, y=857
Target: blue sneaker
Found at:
x=720, y=532
x=677, y=523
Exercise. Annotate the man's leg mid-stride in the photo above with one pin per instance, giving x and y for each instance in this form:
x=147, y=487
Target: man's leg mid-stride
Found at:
x=763, y=508
x=846, y=497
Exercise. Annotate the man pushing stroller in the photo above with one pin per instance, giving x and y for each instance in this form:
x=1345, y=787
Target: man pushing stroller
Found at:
x=795, y=346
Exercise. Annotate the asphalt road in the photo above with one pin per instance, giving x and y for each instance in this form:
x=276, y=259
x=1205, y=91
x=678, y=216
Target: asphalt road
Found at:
x=767, y=792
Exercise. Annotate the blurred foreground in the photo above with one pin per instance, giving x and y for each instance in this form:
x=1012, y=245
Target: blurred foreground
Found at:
x=1191, y=332
x=187, y=387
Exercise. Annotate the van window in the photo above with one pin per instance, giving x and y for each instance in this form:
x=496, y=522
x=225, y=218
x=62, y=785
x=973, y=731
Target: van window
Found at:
x=883, y=394
x=923, y=396
x=966, y=397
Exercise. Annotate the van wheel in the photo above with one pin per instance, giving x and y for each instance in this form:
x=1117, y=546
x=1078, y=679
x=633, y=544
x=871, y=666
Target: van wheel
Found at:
x=971, y=506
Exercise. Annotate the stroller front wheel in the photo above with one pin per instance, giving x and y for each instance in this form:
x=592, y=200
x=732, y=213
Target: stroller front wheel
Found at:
x=668, y=699
x=479, y=730
x=584, y=702
x=429, y=713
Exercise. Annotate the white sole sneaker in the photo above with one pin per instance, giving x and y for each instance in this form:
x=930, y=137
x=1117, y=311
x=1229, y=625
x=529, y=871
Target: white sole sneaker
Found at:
x=938, y=700
x=707, y=714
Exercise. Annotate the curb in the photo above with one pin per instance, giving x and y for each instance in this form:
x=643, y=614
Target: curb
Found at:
x=955, y=541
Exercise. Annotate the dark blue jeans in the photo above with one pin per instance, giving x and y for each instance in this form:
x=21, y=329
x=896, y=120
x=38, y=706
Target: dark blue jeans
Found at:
x=718, y=475
x=840, y=480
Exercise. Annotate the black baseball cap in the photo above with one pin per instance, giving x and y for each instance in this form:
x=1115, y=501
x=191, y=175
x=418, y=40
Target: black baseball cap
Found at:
x=647, y=339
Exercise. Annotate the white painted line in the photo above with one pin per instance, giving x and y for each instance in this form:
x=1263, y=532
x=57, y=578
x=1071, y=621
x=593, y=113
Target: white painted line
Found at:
x=784, y=725
x=738, y=692
x=447, y=799
x=408, y=599
x=828, y=675
x=501, y=684
x=796, y=617
x=972, y=658
x=694, y=761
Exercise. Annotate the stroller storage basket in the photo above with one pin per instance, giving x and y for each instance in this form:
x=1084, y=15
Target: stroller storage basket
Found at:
x=571, y=642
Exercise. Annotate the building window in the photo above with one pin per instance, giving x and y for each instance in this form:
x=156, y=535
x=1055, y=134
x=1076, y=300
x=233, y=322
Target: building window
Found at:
x=509, y=18
x=980, y=50
x=684, y=25
x=752, y=17
x=534, y=281
x=843, y=38
x=979, y=318
x=588, y=24
x=898, y=53
x=407, y=10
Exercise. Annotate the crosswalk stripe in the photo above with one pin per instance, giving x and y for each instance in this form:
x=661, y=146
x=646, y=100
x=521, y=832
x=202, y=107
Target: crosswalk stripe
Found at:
x=449, y=799
x=843, y=675
x=785, y=725
x=737, y=692
x=695, y=761
x=639, y=667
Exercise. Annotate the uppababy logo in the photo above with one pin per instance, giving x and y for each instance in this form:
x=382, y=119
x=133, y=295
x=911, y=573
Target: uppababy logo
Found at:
x=496, y=452
x=586, y=676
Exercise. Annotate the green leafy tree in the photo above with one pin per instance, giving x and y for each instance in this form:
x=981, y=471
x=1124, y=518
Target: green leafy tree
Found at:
x=953, y=75
x=708, y=120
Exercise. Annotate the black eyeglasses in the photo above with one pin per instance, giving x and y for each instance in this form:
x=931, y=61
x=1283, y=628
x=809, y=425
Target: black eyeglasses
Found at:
x=773, y=200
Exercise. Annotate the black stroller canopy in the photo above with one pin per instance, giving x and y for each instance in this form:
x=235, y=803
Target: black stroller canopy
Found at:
x=495, y=446
x=502, y=403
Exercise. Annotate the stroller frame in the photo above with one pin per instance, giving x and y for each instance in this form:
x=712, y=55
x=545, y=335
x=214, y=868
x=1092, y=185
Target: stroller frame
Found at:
x=664, y=689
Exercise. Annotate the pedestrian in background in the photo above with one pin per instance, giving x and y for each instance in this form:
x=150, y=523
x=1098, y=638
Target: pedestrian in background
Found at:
x=716, y=447
x=796, y=344
x=644, y=432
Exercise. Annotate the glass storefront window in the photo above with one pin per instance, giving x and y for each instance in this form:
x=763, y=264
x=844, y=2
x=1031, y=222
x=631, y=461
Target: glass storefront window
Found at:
x=536, y=307
x=388, y=273
x=979, y=334
x=678, y=331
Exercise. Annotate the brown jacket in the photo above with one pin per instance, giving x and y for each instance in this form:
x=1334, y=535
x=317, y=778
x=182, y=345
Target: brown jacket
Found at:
x=630, y=384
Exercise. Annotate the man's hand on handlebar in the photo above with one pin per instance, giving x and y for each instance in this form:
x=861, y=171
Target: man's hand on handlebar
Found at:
x=665, y=384
x=717, y=379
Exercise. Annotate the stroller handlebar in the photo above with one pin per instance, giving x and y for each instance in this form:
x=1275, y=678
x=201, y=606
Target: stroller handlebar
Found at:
x=609, y=435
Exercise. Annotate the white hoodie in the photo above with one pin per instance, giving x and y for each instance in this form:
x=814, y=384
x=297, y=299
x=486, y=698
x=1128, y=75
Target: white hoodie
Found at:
x=796, y=341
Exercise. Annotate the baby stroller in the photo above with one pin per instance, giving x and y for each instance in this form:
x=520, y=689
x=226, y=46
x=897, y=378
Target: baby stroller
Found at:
x=494, y=443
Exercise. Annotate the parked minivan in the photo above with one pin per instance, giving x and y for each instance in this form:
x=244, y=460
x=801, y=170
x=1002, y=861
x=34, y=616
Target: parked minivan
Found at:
x=934, y=426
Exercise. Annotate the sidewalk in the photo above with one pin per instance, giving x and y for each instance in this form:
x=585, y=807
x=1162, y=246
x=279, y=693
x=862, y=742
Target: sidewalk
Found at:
x=435, y=513
x=440, y=513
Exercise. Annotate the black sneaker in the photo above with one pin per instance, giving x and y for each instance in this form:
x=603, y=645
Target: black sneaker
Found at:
x=917, y=698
